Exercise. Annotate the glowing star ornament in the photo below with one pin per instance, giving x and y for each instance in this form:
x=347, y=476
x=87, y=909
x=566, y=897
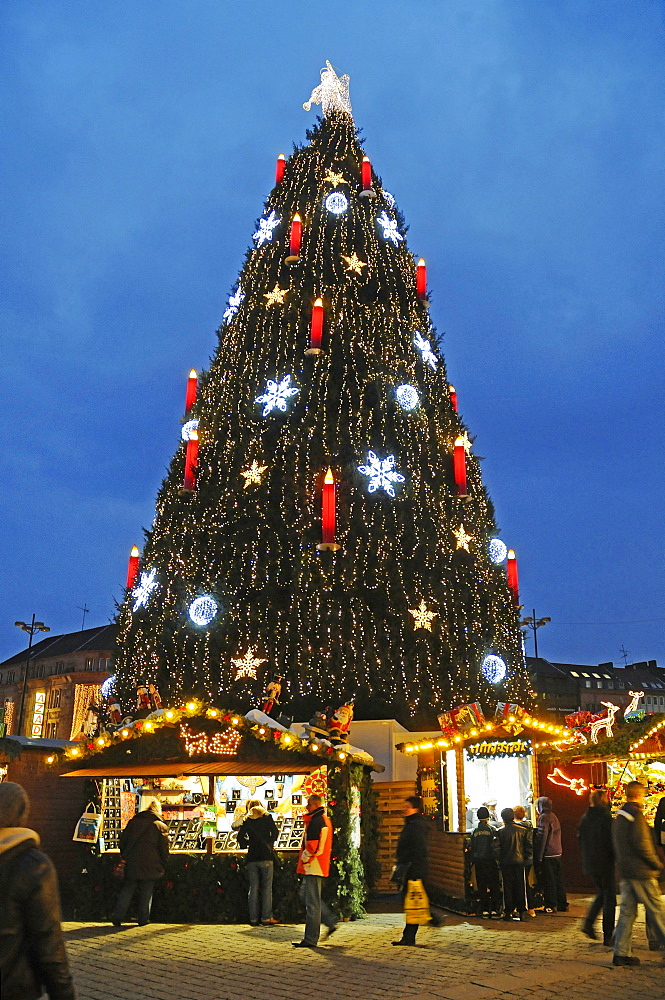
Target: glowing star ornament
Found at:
x=264, y=233
x=426, y=353
x=143, y=590
x=493, y=669
x=334, y=179
x=422, y=616
x=389, y=226
x=203, y=610
x=407, y=397
x=246, y=665
x=497, y=551
x=189, y=430
x=253, y=475
x=381, y=473
x=337, y=203
x=462, y=538
x=235, y=301
x=332, y=93
x=276, y=297
x=277, y=395
x=577, y=785
x=354, y=263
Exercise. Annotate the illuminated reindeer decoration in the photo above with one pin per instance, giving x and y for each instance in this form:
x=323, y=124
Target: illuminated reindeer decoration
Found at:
x=605, y=722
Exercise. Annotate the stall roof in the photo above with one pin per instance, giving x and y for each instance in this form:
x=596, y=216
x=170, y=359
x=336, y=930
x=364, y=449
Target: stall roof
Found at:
x=222, y=767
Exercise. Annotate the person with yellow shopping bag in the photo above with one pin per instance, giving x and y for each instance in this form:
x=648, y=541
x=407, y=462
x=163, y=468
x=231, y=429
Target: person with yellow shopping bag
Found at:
x=411, y=871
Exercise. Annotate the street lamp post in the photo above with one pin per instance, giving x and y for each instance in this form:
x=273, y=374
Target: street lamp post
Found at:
x=30, y=628
x=534, y=624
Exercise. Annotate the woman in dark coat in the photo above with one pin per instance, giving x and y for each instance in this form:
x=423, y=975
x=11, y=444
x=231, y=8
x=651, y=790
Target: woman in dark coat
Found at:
x=258, y=834
x=144, y=846
x=411, y=857
x=32, y=949
x=595, y=837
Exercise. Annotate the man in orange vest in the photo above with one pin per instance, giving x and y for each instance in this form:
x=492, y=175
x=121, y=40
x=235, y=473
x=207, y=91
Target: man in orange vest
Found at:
x=314, y=866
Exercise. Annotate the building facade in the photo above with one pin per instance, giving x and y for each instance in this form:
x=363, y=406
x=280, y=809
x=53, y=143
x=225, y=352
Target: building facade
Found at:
x=65, y=674
x=564, y=688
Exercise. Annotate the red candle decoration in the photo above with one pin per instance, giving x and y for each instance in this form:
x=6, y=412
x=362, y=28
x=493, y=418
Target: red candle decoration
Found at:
x=190, y=395
x=453, y=397
x=316, y=329
x=421, y=279
x=132, y=567
x=191, y=458
x=279, y=170
x=459, y=466
x=366, y=174
x=328, y=513
x=296, y=235
x=511, y=567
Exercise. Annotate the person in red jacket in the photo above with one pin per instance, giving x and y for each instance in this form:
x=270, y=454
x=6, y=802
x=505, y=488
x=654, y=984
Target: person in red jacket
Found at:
x=314, y=866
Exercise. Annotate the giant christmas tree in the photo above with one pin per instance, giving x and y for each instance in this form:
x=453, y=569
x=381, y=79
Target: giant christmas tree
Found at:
x=324, y=535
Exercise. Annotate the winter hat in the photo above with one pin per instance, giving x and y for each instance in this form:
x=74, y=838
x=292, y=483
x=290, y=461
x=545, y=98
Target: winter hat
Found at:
x=507, y=815
x=14, y=804
x=483, y=813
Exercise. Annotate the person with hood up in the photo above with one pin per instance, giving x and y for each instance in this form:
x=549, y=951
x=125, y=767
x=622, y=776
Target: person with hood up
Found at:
x=639, y=869
x=484, y=864
x=514, y=852
x=521, y=817
x=314, y=866
x=144, y=846
x=595, y=837
x=412, y=859
x=548, y=855
x=258, y=833
x=32, y=949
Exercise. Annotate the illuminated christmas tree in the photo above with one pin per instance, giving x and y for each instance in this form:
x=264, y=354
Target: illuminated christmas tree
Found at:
x=324, y=517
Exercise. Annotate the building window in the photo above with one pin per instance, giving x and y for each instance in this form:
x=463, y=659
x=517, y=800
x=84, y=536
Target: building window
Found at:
x=574, y=673
x=610, y=685
x=587, y=684
x=88, y=664
x=52, y=731
x=599, y=684
x=54, y=698
x=60, y=667
x=10, y=676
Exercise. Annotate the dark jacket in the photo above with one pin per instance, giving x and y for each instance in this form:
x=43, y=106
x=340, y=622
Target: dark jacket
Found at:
x=595, y=837
x=482, y=842
x=548, y=840
x=258, y=835
x=512, y=845
x=144, y=844
x=659, y=824
x=32, y=949
x=633, y=844
x=412, y=845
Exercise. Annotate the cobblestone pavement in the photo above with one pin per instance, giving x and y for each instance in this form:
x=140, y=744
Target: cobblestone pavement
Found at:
x=467, y=959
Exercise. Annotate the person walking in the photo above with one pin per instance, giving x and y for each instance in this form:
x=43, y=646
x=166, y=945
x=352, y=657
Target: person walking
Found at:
x=412, y=860
x=314, y=866
x=144, y=847
x=484, y=864
x=513, y=850
x=258, y=833
x=639, y=868
x=549, y=850
x=595, y=838
x=33, y=959
x=521, y=818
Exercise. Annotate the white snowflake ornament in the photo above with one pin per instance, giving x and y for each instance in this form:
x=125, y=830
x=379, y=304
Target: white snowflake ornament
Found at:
x=381, y=473
x=277, y=395
x=389, y=226
x=234, y=304
x=426, y=352
x=266, y=226
x=144, y=588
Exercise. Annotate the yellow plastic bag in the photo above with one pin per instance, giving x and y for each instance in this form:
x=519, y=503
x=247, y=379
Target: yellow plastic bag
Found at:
x=416, y=903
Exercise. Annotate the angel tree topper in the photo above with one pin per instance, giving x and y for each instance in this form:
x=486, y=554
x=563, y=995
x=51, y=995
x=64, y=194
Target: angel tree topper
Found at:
x=332, y=93
x=381, y=473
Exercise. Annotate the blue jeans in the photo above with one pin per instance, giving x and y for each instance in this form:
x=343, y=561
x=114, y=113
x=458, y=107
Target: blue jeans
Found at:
x=146, y=887
x=259, y=871
x=315, y=909
x=634, y=891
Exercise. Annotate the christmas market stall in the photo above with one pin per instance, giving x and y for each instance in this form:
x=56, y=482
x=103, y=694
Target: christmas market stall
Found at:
x=475, y=761
x=203, y=764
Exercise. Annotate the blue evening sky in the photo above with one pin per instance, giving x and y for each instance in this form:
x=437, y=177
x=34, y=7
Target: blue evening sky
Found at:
x=524, y=142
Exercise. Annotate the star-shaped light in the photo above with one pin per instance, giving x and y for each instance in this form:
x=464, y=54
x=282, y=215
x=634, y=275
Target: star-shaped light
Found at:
x=234, y=305
x=389, y=226
x=462, y=538
x=276, y=395
x=422, y=616
x=466, y=441
x=334, y=179
x=276, y=297
x=254, y=474
x=266, y=226
x=144, y=588
x=381, y=473
x=246, y=665
x=354, y=263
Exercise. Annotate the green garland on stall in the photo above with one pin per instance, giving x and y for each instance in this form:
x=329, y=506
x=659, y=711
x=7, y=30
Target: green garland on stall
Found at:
x=347, y=887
